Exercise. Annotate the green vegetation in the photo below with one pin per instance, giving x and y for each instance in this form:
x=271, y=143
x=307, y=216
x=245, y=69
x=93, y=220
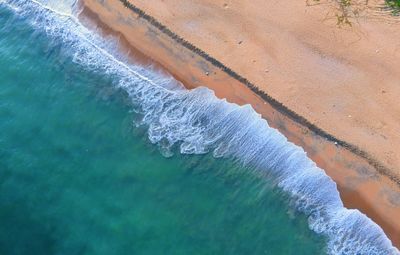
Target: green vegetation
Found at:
x=343, y=10
x=346, y=11
x=394, y=5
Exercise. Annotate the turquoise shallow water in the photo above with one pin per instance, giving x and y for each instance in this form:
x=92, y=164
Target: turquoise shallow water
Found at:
x=77, y=176
x=99, y=155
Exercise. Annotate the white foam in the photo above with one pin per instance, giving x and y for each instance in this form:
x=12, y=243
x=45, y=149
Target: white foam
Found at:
x=197, y=122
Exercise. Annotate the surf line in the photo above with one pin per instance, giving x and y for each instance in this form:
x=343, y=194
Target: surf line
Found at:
x=335, y=209
x=280, y=107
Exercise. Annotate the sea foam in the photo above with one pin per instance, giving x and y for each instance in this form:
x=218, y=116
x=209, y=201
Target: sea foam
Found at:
x=197, y=122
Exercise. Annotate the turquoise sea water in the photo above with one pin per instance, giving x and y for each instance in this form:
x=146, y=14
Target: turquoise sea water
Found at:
x=78, y=178
x=98, y=156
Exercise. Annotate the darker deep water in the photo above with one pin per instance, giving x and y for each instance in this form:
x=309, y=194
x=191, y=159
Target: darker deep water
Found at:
x=76, y=177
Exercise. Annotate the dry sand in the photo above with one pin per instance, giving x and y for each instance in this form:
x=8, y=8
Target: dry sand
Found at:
x=343, y=80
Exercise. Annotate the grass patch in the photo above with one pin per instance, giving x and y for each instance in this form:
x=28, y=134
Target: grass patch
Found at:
x=348, y=11
x=394, y=5
x=344, y=11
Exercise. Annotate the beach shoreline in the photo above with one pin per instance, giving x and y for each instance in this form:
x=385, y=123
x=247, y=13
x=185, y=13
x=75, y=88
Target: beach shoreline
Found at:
x=364, y=183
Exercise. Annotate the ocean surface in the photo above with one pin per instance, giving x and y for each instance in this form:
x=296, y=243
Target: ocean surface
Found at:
x=102, y=156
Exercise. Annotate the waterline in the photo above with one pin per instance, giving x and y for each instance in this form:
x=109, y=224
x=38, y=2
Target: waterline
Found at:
x=196, y=122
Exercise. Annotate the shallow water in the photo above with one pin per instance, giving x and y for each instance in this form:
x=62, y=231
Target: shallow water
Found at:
x=98, y=156
x=78, y=178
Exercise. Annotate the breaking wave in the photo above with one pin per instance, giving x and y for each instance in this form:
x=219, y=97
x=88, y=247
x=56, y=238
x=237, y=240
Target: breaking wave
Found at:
x=197, y=122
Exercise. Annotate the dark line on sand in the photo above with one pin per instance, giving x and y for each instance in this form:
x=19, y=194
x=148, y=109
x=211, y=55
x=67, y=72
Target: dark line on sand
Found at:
x=276, y=104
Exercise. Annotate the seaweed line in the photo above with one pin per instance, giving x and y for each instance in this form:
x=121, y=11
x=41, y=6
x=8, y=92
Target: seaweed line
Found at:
x=380, y=168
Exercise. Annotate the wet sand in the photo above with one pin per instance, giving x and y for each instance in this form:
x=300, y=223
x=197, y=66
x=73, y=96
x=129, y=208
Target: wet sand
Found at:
x=365, y=180
x=344, y=80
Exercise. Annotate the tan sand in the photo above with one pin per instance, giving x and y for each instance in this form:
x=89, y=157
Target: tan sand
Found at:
x=344, y=80
x=293, y=56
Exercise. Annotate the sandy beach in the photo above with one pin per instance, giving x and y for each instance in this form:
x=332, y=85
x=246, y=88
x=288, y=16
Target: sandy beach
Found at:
x=327, y=74
x=329, y=89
